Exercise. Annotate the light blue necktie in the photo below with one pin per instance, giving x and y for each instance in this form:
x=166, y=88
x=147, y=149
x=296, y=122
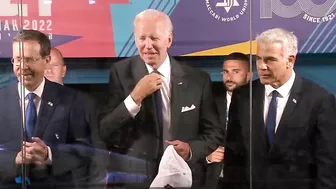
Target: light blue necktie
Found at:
x=31, y=116
x=271, y=118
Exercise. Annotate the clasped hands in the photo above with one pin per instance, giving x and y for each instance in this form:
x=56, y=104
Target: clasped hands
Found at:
x=35, y=152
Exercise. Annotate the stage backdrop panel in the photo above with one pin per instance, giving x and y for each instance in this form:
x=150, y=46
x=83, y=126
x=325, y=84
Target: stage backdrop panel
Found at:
x=103, y=28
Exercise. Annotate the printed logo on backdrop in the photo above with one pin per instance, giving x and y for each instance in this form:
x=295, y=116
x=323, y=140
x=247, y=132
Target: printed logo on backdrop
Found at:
x=9, y=17
x=226, y=10
x=310, y=11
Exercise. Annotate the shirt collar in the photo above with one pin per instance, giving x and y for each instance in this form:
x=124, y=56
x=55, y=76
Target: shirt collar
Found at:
x=164, y=69
x=228, y=95
x=284, y=90
x=38, y=91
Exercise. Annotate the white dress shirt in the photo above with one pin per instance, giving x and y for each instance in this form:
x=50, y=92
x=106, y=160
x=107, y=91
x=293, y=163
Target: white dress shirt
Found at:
x=228, y=102
x=165, y=71
x=284, y=92
x=38, y=92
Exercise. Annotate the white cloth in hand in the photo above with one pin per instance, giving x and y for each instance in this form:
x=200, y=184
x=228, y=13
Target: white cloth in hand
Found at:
x=173, y=171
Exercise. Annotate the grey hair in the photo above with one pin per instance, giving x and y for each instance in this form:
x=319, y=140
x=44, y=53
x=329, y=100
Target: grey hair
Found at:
x=282, y=36
x=152, y=13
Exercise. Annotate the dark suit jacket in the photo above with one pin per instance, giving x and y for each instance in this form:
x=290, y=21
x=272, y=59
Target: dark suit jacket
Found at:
x=61, y=126
x=304, y=153
x=213, y=170
x=139, y=137
x=97, y=170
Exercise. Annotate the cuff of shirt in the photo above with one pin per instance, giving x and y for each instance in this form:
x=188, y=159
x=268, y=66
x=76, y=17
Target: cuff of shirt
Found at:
x=208, y=162
x=49, y=160
x=190, y=155
x=131, y=106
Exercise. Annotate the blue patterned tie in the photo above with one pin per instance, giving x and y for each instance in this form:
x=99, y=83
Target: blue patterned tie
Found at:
x=31, y=116
x=271, y=118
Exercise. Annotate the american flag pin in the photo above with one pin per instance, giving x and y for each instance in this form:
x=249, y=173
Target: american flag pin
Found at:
x=294, y=100
x=50, y=104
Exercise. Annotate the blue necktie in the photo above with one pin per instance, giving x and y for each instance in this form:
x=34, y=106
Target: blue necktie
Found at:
x=158, y=107
x=31, y=116
x=271, y=118
x=158, y=104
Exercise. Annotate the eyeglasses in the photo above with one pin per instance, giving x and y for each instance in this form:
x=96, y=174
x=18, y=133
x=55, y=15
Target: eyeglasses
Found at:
x=26, y=60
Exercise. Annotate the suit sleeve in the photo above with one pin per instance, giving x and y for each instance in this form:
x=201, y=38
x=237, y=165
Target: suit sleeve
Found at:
x=325, y=144
x=76, y=152
x=98, y=167
x=211, y=135
x=213, y=170
x=115, y=115
x=8, y=168
x=235, y=160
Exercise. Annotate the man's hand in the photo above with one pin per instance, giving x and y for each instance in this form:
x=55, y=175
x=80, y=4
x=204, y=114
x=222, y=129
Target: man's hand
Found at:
x=217, y=156
x=35, y=152
x=182, y=148
x=146, y=86
x=20, y=159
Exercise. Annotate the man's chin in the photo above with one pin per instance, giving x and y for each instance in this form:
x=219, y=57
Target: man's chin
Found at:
x=230, y=89
x=149, y=61
x=265, y=81
x=27, y=82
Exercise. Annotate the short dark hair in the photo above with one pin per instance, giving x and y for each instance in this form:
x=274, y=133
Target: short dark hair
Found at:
x=34, y=35
x=238, y=56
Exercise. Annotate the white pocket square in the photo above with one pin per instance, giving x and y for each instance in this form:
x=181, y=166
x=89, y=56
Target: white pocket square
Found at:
x=186, y=108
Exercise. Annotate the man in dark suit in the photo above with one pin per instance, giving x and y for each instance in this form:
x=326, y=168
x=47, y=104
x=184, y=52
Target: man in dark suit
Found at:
x=173, y=106
x=236, y=72
x=291, y=141
x=55, y=134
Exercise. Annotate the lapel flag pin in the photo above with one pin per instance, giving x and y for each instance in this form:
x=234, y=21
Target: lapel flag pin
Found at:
x=294, y=100
x=50, y=104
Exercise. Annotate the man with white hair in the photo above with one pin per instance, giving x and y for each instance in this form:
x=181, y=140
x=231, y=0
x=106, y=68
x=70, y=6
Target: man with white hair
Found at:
x=291, y=142
x=155, y=101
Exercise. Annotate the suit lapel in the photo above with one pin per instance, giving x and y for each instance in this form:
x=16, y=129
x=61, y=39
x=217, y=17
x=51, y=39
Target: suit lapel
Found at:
x=259, y=131
x=49, y=101
x=178, y=84
x=293, y=100
x=14, y=109
x=148, y=109
x=221, y=103
x=139, y=69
